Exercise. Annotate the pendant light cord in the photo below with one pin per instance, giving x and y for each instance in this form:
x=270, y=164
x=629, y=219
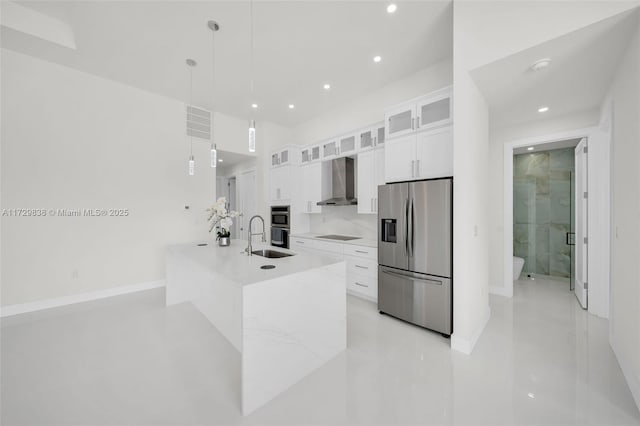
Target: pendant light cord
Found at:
x=213, y=80
x=190, y=106
x=251, y=41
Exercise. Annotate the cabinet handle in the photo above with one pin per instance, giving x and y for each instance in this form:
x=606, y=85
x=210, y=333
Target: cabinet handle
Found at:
x=417, y=122
x=361, y=285
x=417, y=167
x=413, y=120
x=413, y=168
x=362, y=251
x=299, y=242
x=375, y=141
x=362, y=267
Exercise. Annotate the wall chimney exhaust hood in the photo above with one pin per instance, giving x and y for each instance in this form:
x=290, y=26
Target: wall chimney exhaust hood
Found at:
x=342, y=183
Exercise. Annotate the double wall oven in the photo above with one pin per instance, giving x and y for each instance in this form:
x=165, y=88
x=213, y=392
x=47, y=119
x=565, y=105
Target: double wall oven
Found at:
x=280, y=226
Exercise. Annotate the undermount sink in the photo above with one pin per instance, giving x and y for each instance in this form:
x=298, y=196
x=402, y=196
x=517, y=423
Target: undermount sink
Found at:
x=271, y=254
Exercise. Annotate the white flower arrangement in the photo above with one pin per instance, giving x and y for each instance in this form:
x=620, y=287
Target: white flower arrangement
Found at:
x=218, y=215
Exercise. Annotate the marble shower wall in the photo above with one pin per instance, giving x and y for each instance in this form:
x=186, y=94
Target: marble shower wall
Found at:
x=543, y=211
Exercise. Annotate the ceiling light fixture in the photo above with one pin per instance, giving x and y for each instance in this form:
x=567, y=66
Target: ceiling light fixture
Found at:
x=540, y=64
x=213, y=26
x=220, y=160
x=530, y=148
x=254, y=106
x=543, y=109
x=326, y=86
x=392, y=8
x=252, y=123
x=291, y=106
x=192, y=163
x=377, y=59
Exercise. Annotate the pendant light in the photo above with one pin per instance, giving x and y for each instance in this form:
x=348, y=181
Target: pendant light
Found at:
x=252, y=123
x=213, y=26
x=192, y=164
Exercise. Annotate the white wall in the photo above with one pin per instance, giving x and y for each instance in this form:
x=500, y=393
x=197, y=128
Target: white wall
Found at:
x=498, y=138
x=624, y=323
x=73, y=140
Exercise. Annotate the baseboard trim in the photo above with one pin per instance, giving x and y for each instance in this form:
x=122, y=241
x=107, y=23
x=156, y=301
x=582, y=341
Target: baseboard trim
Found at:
x=627, y=371
x=22, y=308
x=500, y=291
x=466, y=346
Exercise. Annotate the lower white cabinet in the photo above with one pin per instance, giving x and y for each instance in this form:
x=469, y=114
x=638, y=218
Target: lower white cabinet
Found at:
x=362, y=263
x=371, y=166
x=422, y=155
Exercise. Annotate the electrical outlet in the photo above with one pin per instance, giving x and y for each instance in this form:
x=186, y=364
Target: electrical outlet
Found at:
x=74, y=274
x=475, y=230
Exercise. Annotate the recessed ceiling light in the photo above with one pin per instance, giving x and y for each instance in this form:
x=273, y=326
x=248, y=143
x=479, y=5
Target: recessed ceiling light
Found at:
x=530, y=148
x=220, y=160
x=392, y=8
x=326, y=86
x=291, y=106
x=540, y=64
x=254, y=105
x=377, y=59
x=543, y=109
x=531, y=395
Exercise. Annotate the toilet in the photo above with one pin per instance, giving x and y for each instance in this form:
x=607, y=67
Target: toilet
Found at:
x=518, y=264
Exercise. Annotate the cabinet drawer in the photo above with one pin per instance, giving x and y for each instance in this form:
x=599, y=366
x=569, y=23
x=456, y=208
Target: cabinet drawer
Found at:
x=361, y=251
x=301, y=244
x=366, y=286
x=361, y=266
x=335, y=248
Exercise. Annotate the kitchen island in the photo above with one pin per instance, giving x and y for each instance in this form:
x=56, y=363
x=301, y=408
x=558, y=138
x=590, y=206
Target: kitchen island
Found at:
x=285, y=322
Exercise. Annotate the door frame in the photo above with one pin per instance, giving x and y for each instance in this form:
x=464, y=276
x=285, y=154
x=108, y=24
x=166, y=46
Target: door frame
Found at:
x=600, y=307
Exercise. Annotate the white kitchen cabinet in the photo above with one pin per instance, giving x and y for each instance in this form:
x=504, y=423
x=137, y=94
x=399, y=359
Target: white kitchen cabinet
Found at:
x=310, y=154
x=423, y=113
x=434, y=153
x=284, y=156
x=312, y=187
x=434, y=111
x=400, y=158
x=425, y=155
x=369, y=138
x=330, y=150
x=371, y=165
x=348, y=145
x=400, y=120
x=280, y=185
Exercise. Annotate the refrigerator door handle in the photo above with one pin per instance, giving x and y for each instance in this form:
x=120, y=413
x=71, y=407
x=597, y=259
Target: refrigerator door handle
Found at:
x=406, y=227
x=410, y=277
x=410, y=227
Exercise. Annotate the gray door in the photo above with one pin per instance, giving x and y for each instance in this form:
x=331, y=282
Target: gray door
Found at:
x=392, y=225
x=419, y=299
x=429, y=225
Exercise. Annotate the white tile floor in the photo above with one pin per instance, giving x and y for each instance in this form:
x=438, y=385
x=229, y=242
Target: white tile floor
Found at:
x=130, y=360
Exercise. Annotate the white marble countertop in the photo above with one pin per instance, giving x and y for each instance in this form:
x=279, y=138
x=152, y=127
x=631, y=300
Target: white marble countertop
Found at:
x=234, y=264
x=358, y=242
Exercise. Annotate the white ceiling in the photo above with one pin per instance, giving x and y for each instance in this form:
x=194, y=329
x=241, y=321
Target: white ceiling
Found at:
x=299, y=45
x=582, y=70
x=231, y=159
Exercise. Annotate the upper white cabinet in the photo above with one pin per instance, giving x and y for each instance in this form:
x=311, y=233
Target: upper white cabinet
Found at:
x=419, y=141
x=423, y=113
x=370, y=137
x=280, y=184
x=285, y=156
x=434, y=111
x=370, y=175
x=315, y=185
x=428, y=154
x=310, y=154
x=347, y=145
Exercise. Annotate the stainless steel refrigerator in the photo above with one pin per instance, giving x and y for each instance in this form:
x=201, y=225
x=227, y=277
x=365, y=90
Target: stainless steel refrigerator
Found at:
x=415, y=241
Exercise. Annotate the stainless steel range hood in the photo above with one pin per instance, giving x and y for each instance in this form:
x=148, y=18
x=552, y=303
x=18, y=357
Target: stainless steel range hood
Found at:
x=342, y=183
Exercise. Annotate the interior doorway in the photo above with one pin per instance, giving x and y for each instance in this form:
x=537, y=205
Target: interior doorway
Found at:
x=548, y=213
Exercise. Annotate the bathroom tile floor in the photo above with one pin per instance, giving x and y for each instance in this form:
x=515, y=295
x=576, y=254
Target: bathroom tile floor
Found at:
x=130, y=360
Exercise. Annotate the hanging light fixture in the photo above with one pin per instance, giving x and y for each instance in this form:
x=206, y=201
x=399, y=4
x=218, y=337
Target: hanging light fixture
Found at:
x=252, y=123
x=213, y=26
x=192, y=164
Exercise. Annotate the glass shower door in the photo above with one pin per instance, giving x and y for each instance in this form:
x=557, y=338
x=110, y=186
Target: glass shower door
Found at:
x=571, y=235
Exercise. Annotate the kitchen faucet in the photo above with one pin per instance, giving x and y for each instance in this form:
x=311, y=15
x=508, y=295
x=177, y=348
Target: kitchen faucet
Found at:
x=249, y=234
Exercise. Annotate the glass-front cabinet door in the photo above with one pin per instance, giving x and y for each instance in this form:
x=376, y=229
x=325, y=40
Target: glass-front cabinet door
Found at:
x=366, y=139
x=275, y=159
x=400, y=121
x=329, y=150
x=315, y=153
x=434, y=112
x=305, y=155
x=379, y=138
x=347, y=145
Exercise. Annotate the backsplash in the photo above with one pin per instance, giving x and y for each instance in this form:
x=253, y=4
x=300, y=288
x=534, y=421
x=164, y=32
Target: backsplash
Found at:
x=344, y=220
